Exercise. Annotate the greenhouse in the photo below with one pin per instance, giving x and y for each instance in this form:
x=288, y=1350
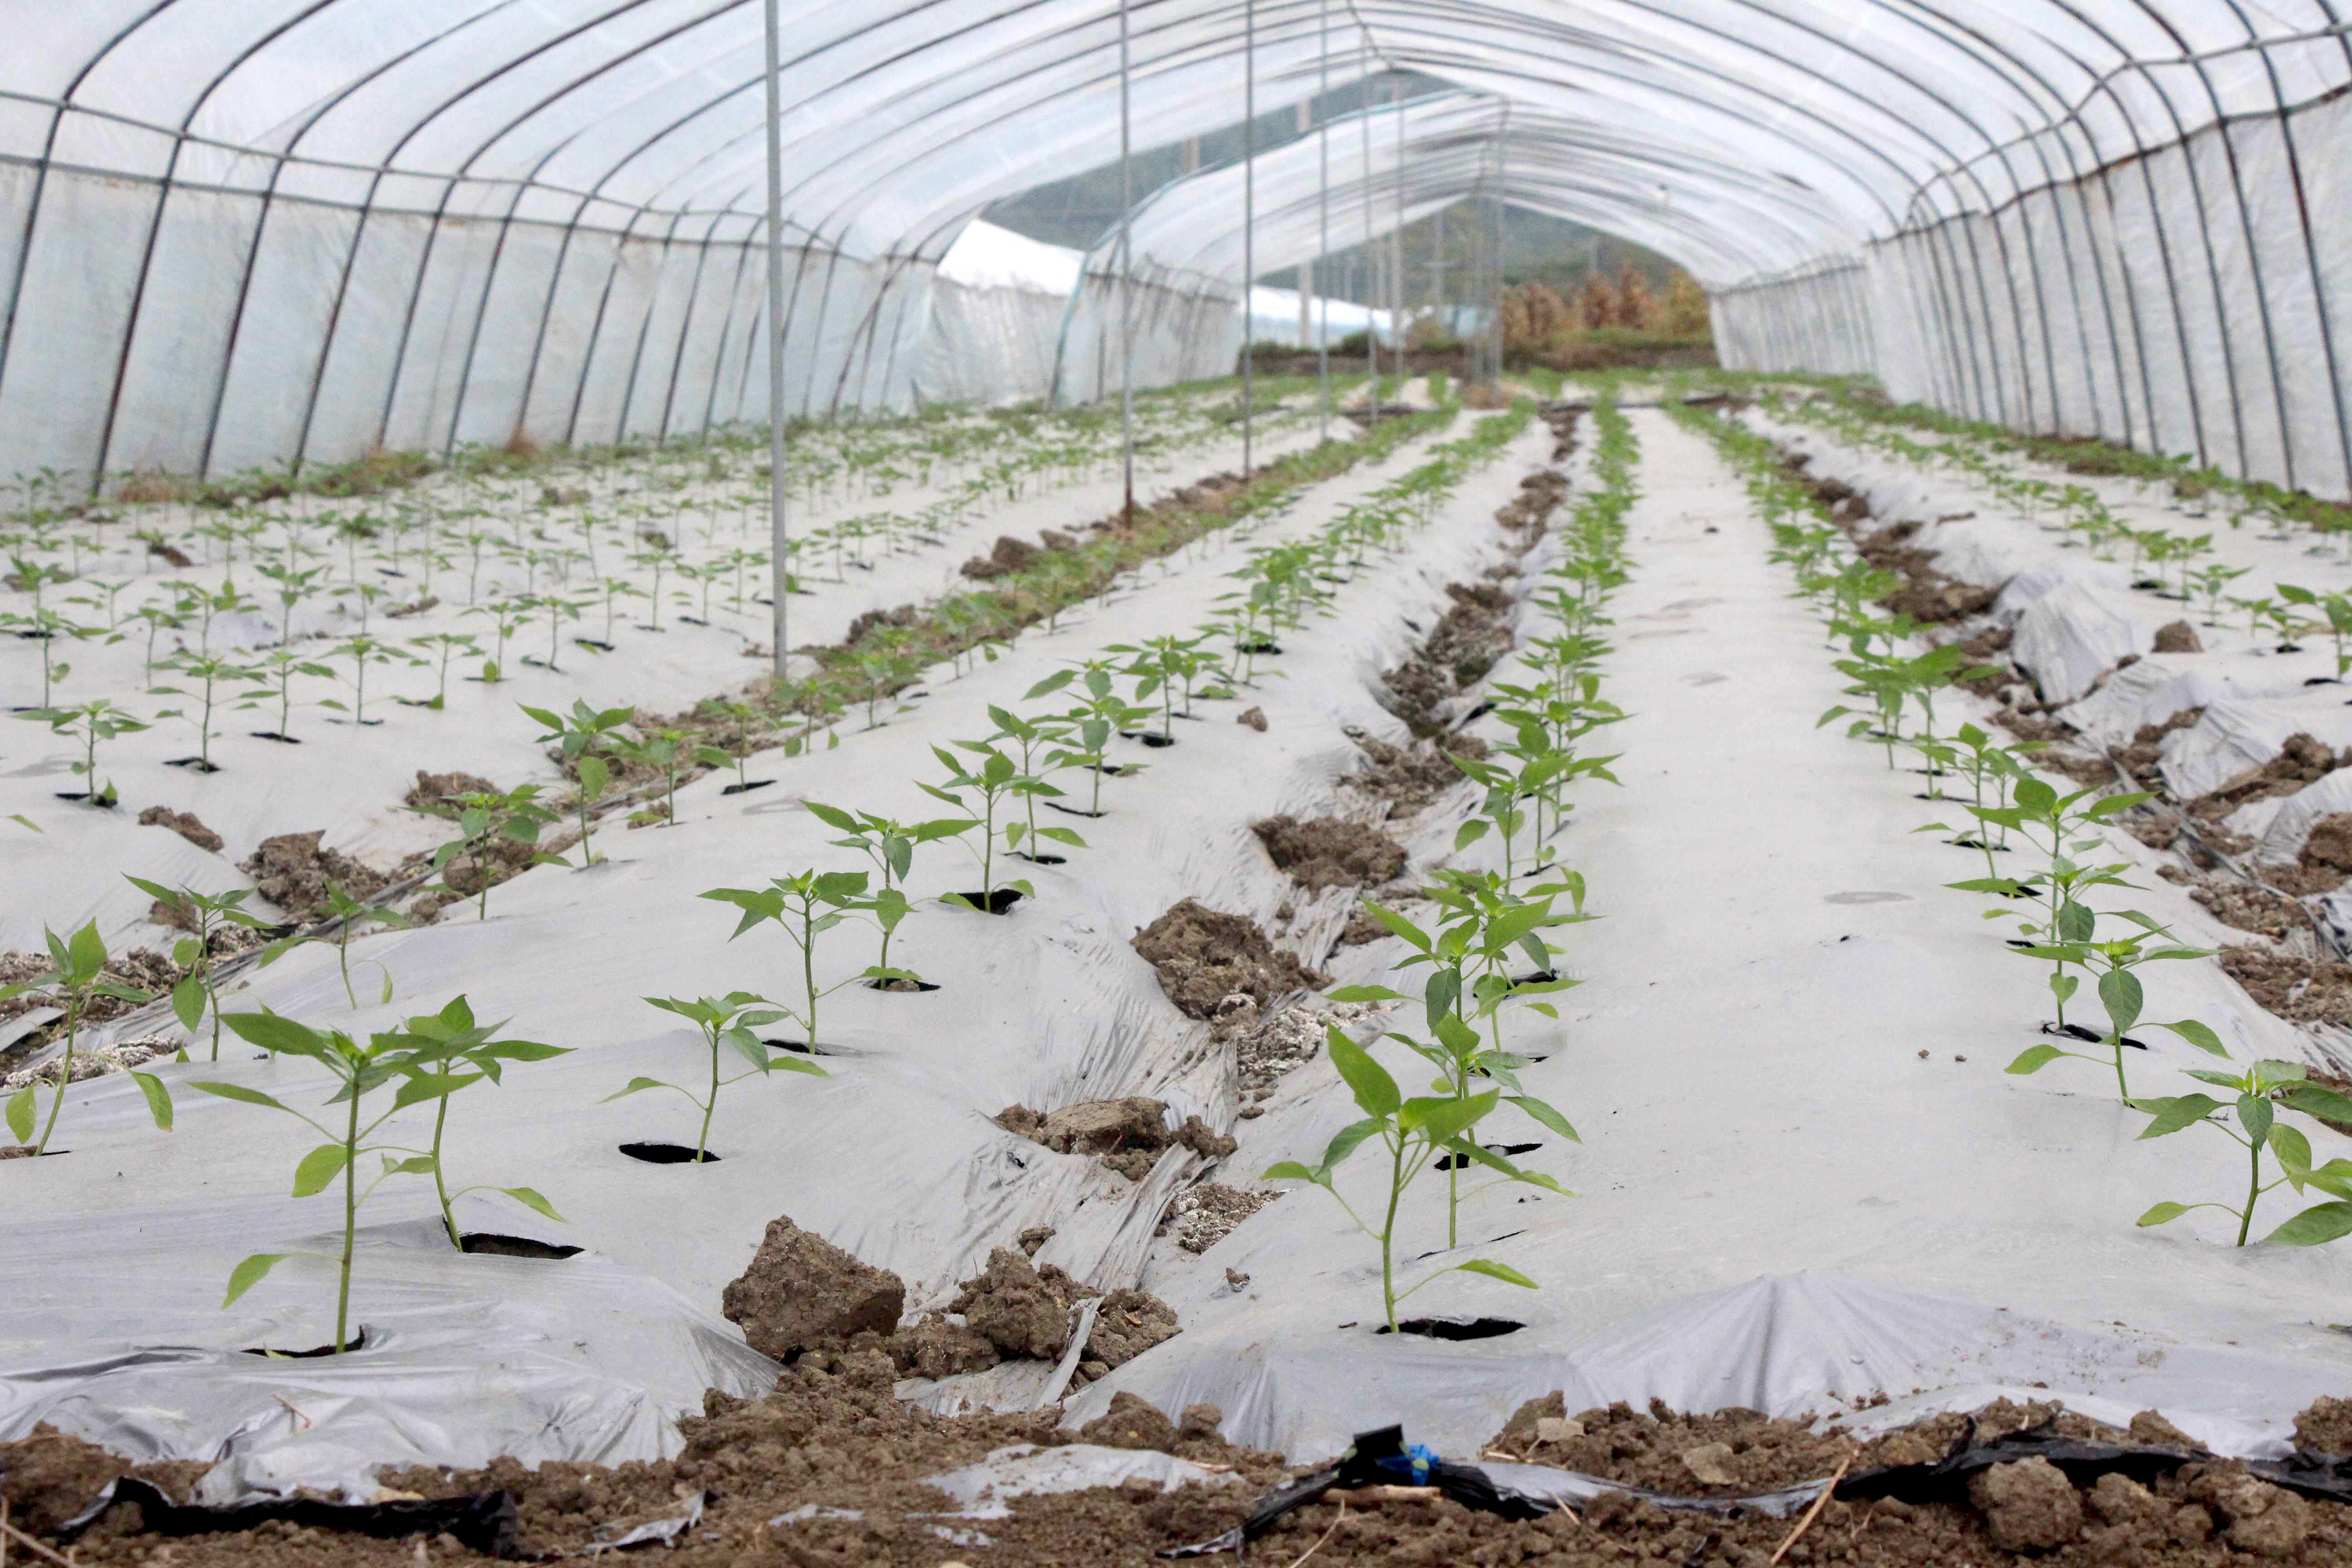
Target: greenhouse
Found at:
x=1066, y=783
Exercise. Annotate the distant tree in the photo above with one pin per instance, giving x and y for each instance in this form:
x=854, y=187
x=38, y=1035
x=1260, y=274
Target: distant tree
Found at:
x=1596, y=302
x=1637, y=308
x=1685, y=310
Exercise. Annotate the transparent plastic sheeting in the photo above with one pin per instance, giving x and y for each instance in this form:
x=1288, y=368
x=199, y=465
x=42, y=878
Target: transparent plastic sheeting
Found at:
x=235, y=232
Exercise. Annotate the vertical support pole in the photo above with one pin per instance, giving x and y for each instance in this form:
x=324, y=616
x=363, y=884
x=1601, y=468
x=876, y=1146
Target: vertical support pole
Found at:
x=1396, y=238
x=1126, y=293
x=1249, y=229
x=1372, y=287
x=778, y=537
x=1323, y=210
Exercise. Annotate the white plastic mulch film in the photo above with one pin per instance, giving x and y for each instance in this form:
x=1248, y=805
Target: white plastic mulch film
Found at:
x=245, y=232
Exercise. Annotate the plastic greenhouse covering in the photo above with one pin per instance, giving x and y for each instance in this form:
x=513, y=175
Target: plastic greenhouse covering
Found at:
x=245, y=232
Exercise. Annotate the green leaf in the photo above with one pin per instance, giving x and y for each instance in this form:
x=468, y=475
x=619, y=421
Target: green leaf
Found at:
x=2174, y=1113
x=1543, y=1114
x=188, y=1003
x=2316, y=1225
x=531, y=1199
x=274, y=1033
x=1374, y=1090
x=2200, y=1036
x=249, y=1273
x=635, y=1084
x=250, y=1095
x=2163, y=1214
x=1291, y=1171
x=2324, y=1103
x=319, y=1167
x=2033, y=1058
x=20, y=1115
x=2120, y=994
x=1443, y=1120
x=159, y=1098
x=1503, y=1271
x=1365, y=994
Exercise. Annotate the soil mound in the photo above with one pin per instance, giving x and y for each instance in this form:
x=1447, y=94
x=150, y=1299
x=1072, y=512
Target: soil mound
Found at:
x=2302, y=761
x=1202, y=957
x=1009, y=556
x=292, y=871
x=436, y=794
x=1410, y=777
x=1467, y=642
x=1330, y=852
x=185, y=825
x=1126, y=1135
x=800, y=1290
x=1204, y=1216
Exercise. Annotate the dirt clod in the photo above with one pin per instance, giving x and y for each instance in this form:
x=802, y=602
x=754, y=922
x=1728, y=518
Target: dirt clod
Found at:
x=1022, y=1309
x=1330, y=852
x=2298, y=989
x=1253, y=717
x=2028, y=1505
x=1204, y=956
x=1204, y=1216
x=2178, y=637
x=1131, y=1423
x=184, y=824
x=292, y=870
x=2257, y=1517
x=1009, y=556
x=1409, y=777
x=801, y=1290
x=2302, y=761
x=436, y=794
x=2326, y=1426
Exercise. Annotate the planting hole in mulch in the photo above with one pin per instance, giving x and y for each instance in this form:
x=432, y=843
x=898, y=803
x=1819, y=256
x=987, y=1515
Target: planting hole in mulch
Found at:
x=1075, y=811
x=358, y=1341
x=998, y=902
x=798, y=1047
x=902, y=986
x=1041, y=859
x=2322, y=681
x=81, y=794
x=592, y=645
x=1147, y=737
x=26, y=1152
x=1455, y=1328
x=494, y=1244
x=1261, y=645
x=273, y=735
x=194, y=764
x=2089, y=1036
x=747, y=787
x=1507, y=1150
x=666, y=1153
x=1109, y=770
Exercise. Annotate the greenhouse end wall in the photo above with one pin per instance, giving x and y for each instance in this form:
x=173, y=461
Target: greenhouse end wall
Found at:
x=2193, y=302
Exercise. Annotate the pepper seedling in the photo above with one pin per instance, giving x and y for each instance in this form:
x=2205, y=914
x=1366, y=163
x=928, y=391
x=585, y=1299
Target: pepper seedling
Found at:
x=359, y=1070
x=349, y=914
x=806, y=906
x=2120, y=991
x=485, y=820
x=444, y=1047
x=2256, y=1093
x=78, y=968
x=581, y=736
x=1414, y=1131
x=203, y=915
x=97, y=720
x=726, y=1020
x=995, y=779
x=891, y=845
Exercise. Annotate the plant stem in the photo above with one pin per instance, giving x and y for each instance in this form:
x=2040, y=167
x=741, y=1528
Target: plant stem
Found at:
x=808, y=965
x=440, y=1183
x=702, y=1139
x=2253, y=1187
x=351, y=1214
x=1388, y=1230
x=65, y=1072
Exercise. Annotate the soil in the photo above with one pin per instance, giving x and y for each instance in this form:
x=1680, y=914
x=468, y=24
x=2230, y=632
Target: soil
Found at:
x=292, y=870
x=1126, y=1135
x=1526, y=513
x=1202, y=1216
x=1202, y=957
x=2244, y=907
x=833, y=1447
x=800, y=1290
x=434, y=794
x=185, y=825
x=2139, y=758
x=1023, y=1309
x=2177, y=636
x=2300, y=762
x=1467, y=642
x=1410, y=777
x=91, y=1063
x=2301, y=990
x=142, y=968
x=1267, y=1047
x=2329, y=846
x=1331, y=852
x=1009, y=556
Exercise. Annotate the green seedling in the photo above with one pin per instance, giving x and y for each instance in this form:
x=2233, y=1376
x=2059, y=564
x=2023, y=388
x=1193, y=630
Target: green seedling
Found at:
x=1414, y=1131
x=78, y=968
x=97, y=720
x=203, y=915
x=2059, y=826
x=891, y=845
x=806, y=906
x=581, y=736
x=443, y=646
x=209, y=675
x=2256, y=1095
x=276, y=674
x=49, y=629
x=451, y=1047
x=2120, y=989
x=486, y=820
x=995, y=779
x=1482, y=932
x=664, y=752
x=357, y=1070
x=1039, y=741
x=727, y=1020
x=363, y=652
x=348, y=915
x=1100, y=714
